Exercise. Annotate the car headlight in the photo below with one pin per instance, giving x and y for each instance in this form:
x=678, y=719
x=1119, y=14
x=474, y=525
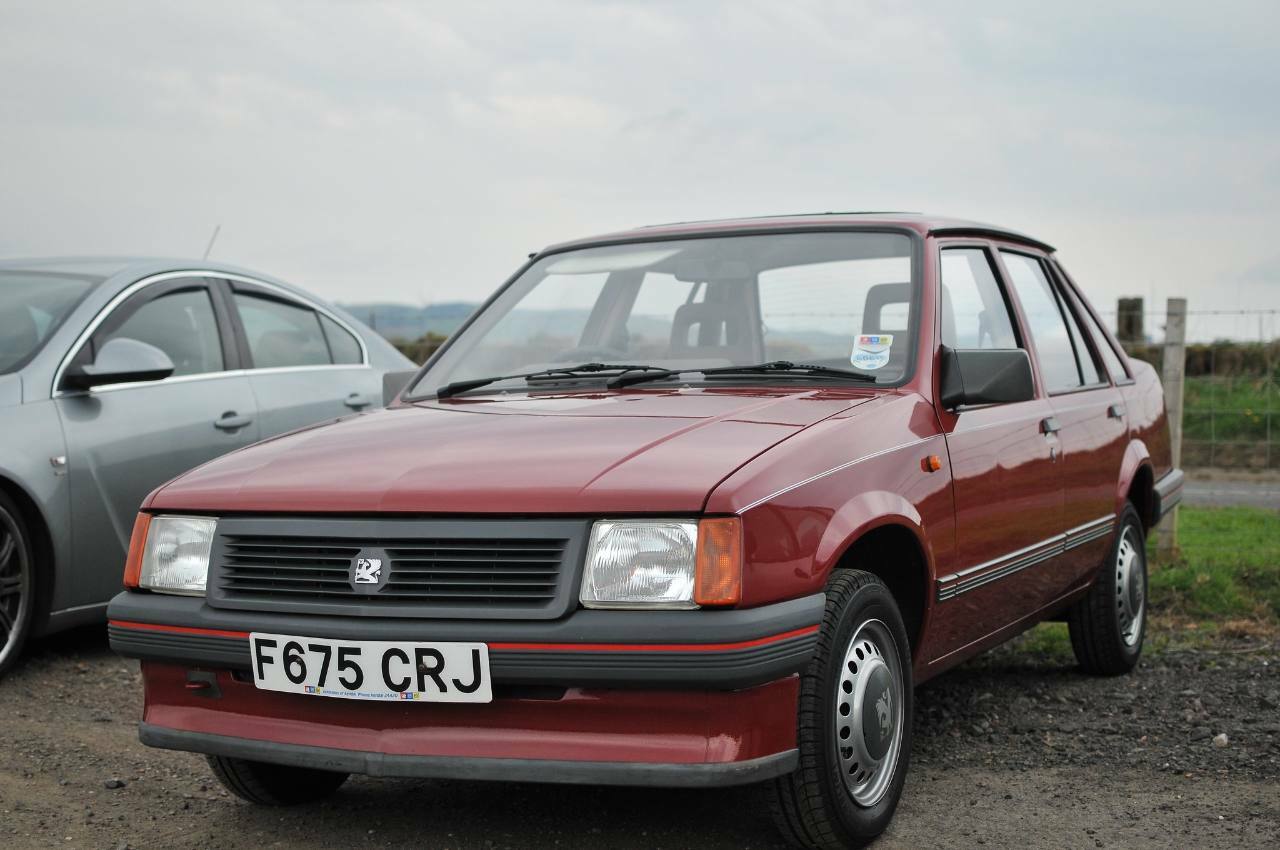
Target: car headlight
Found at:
x=663, y=563
x=172, y=555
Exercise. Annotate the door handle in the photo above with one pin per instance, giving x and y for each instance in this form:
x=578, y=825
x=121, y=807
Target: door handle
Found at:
x=355, y=401
x=1049, y=425
x=1115, y=411
x=231, y=421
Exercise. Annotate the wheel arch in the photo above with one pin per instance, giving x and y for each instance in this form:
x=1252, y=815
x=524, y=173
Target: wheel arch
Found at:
x=42, y=541
x=890, y=543
x=1137, y=483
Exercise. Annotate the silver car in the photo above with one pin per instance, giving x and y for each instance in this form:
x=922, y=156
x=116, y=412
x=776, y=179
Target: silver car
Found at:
x=119, y=374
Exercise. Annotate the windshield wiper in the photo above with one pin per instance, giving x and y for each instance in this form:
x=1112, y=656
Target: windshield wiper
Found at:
x=582, y=368
x=785, y=367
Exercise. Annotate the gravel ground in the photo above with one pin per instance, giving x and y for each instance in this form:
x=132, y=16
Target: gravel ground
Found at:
x=1011, y=750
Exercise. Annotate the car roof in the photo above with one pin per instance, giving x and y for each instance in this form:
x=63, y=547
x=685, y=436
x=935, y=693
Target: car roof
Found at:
x=921, y=223
x=120, y=271
x=104, y=266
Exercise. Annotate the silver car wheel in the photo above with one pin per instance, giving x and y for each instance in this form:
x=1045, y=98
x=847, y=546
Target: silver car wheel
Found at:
x=1131, y=588
x=15, y=586
x=868, y=713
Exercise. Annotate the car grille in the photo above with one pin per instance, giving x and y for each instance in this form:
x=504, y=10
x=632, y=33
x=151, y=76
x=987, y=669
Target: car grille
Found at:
x=471, y=568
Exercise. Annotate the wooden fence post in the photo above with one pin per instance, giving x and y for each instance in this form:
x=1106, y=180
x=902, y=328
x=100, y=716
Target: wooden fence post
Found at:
x=1173, y=372
x=1129, y=321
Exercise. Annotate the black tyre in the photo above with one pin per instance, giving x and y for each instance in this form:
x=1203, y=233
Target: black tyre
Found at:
x=854, y=722
x=17, y=583
x=1108, y=626
x=274, y=784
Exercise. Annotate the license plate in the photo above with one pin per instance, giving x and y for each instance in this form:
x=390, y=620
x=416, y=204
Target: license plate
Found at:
x=371, y=669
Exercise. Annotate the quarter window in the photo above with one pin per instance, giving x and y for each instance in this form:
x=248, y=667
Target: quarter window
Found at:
x=281, y=334
x=974, y=311
x=1056, y=341
x=182, y=325
x=342, y=345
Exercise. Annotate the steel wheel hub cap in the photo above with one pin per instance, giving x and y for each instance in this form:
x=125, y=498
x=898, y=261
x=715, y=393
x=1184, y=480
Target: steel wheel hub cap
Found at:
x=868, y=713
x=1130, y=588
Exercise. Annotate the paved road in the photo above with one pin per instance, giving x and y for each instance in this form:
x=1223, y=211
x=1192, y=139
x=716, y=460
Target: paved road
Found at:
x=1260, y=494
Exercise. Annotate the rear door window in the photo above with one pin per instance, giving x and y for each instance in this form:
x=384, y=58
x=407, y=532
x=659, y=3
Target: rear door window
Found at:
x=1103, y=345
x=281, y=333
x=1057, y=342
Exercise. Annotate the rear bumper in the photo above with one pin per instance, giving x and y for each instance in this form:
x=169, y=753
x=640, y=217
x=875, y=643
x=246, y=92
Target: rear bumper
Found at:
x=670, y=775
x=680, y=649
x=1168, y=493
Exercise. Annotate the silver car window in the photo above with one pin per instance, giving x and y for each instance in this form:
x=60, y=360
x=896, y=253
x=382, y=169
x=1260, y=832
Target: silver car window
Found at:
x=182, y=325
x=281, y=334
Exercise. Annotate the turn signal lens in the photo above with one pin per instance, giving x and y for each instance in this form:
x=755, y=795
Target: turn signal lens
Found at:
x=138, y=542
x=719, y=566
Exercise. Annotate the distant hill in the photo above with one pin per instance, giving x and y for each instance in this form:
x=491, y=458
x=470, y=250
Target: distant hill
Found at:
x=408, y=322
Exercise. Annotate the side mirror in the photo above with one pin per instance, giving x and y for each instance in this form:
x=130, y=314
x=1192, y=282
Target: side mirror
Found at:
x=393, y=383
x=985, y=376
x=119, y=361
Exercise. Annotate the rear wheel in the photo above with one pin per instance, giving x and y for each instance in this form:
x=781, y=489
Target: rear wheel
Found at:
x=17, y=583
x=854, y=729
x=274, y=784
x=1108, y=626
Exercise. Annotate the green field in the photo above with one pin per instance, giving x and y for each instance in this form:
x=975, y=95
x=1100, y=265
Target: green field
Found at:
x=1231, y=422
x=1228, y=567
x=1231, y=409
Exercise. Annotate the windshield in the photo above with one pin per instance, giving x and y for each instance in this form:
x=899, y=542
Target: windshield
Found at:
x=841, y=300
x=32, y=305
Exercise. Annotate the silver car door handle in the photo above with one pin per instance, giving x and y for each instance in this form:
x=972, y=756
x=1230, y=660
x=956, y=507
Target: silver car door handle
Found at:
x=356, y=401
x=231, y=421
x=1049, y=425
x=1115, y=411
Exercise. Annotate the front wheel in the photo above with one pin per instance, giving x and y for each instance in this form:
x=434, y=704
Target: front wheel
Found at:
x=1109, y=624
x=854, y=731
x=17, y=584
x=274, y=784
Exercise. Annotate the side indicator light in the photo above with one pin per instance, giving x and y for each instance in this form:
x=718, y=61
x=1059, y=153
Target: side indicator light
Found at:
x=137, y=543
x=719, y=563
x=932, y=463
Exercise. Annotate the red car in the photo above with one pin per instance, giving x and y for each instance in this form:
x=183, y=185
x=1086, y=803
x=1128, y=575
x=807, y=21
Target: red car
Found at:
x=688, y=505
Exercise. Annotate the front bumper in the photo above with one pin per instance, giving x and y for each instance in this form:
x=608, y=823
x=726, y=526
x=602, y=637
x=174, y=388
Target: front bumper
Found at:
x=667, y=774
x=628, y=736
x=707, y=649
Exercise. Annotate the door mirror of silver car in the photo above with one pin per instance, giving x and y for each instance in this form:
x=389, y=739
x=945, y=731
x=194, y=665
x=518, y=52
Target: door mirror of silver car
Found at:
x=393, y=383
x=985, y=376
x=119, y=361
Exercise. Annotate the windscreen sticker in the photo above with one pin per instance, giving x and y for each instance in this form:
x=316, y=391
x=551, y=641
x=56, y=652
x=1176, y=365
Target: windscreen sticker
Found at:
x=871, y=352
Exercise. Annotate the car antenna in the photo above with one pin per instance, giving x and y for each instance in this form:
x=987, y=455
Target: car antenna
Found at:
x=214, y=238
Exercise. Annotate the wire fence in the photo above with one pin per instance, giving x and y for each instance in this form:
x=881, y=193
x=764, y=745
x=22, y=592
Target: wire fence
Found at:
x=1231, y=402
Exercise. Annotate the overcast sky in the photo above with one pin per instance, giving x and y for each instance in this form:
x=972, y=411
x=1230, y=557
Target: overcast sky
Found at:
x=417, y=151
